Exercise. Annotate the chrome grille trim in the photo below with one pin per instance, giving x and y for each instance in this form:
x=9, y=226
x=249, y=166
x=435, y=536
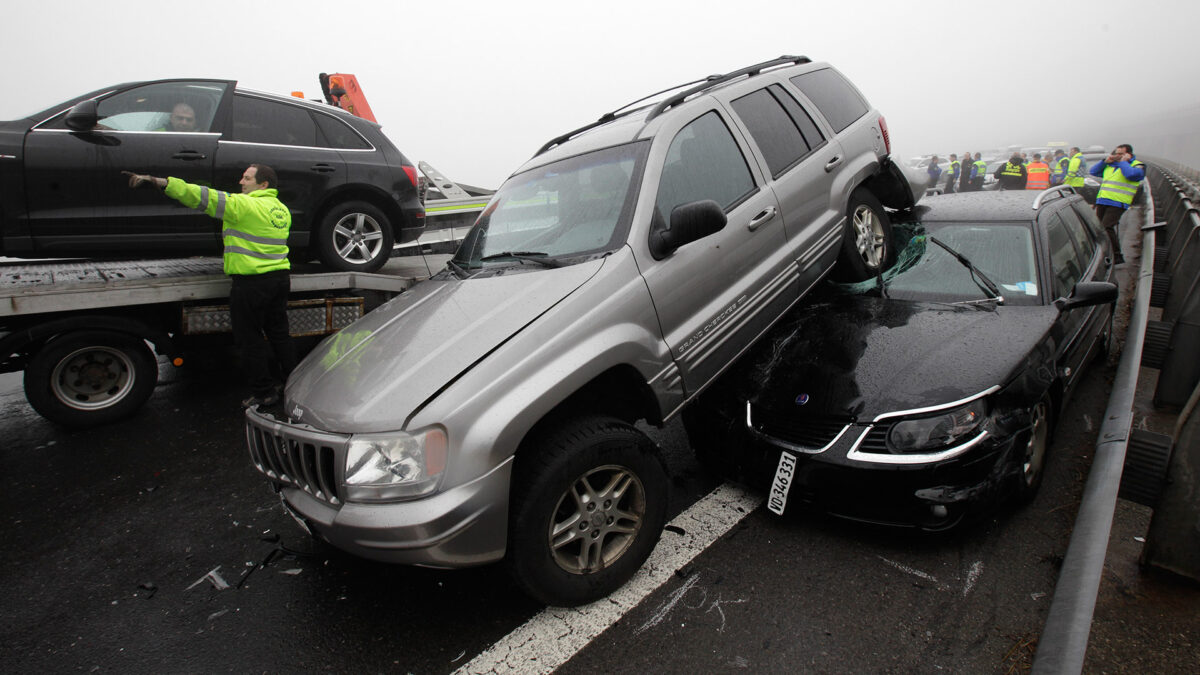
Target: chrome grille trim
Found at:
x=297, y=456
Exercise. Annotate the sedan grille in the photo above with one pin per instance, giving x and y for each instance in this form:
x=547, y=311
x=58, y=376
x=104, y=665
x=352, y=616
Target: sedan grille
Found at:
x=296, y=456
x=807, y=432
x=876, y=440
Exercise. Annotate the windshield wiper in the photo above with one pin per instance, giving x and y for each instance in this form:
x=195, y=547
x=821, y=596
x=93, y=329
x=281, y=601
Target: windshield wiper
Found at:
x=977, y=275
x=531, y=256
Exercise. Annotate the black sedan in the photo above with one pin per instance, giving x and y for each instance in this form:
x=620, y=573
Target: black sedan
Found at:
x=927, y=394
x=352, y=194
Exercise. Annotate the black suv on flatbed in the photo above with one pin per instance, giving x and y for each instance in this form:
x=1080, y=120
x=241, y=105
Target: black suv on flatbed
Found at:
x=352, y=194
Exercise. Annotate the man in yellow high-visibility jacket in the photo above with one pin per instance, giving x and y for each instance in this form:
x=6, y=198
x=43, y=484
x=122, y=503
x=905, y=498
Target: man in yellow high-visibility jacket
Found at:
x=254, y=227
x=1075, y=168
x=1121, y=174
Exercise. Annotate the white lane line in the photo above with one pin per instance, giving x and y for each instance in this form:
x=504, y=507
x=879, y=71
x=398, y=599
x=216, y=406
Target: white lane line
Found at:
x=973, y=577
x=916, y=573
x=555, y=634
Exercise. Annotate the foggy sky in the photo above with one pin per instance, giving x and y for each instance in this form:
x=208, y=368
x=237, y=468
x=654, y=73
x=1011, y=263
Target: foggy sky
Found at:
x=475, y=88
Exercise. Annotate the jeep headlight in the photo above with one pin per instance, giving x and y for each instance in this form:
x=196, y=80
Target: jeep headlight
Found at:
x=938, y=431
x=399, y=465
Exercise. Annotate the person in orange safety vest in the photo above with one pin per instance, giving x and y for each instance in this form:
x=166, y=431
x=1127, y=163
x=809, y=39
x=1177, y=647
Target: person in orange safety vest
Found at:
x=1038, y=174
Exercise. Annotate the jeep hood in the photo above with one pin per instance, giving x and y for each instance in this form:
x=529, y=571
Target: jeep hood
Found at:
x=375, y=373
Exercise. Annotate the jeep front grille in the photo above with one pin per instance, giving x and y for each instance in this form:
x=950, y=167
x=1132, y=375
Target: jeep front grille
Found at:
x=296, y=456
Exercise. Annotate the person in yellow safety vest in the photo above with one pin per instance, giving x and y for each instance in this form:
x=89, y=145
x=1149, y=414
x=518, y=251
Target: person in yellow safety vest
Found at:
x=254, y=226
x=1075, y=168
x=1058, y=167
x=980, y=172
x=1012, y=175
x=1120, y=174
x=952, y=171
x=1037, y=174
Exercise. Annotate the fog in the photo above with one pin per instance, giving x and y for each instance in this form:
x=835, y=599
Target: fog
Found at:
x=475, y=88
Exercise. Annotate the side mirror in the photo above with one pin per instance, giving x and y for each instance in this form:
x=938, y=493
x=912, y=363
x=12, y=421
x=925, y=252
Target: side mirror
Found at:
x=689, y=222
x=83, y=117
x=1087, y=294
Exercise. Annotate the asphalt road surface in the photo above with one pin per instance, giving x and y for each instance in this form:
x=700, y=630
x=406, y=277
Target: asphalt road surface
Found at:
x=153, y=546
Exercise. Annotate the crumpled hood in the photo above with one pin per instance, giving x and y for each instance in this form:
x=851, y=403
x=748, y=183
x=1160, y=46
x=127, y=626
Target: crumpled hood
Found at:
x=859, y=357
x=376, y=372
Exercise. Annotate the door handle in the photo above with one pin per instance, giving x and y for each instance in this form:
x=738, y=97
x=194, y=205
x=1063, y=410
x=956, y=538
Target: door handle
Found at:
x=322, y=168
x=832, y=164
x=762, y=217
x=189, y=155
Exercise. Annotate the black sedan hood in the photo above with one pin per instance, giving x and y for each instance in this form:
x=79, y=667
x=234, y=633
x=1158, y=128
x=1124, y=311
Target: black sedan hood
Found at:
x=856, y=357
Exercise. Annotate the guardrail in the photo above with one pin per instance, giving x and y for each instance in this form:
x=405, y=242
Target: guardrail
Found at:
x=1133, y=464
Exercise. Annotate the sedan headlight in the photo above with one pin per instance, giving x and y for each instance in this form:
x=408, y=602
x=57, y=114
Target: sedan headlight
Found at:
x=937, y=431
x=400, y=465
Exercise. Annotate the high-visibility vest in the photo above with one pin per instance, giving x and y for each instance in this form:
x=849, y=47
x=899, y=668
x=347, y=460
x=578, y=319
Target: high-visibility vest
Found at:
x=1039, y=176
x=980, y=168
x=254, y=226
x=1075, y=169
x=1060, y=168
x=953, y=168
x=1011, y=169
x=1116, y=186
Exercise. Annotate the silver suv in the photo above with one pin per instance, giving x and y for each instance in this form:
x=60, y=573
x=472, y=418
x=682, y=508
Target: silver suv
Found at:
x=488, y=414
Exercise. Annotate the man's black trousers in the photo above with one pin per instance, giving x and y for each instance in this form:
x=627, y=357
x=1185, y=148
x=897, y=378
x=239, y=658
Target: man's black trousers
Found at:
x=258, y=310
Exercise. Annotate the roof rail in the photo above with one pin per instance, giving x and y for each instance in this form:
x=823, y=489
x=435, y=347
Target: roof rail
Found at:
x=714, y=80
x=1052, y=192
x=706, y=83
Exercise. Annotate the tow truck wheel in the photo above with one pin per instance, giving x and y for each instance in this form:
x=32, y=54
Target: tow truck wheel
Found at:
x=867, y=245
x=589, y=503
x=354, y=237
x=92, y=377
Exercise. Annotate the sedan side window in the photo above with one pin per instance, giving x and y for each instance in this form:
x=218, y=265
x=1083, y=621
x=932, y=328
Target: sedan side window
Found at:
x=257, y=120
x=1066, y=263
x=703, y=162
x=1083, y=242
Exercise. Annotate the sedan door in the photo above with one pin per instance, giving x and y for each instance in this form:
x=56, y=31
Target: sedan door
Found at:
x=1075, y=257
x=78, y=200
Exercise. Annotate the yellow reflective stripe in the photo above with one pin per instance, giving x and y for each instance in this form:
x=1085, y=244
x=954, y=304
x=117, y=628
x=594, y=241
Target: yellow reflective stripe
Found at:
x=255, y=254
x=435, y=209
x=270, y=241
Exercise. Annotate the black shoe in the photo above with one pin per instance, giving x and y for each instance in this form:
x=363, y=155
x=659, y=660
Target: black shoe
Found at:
x=270, y=398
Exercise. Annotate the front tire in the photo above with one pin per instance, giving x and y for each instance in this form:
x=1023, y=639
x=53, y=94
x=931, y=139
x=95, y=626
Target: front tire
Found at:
x=867, y=246
x=1031, y=460
x=354, y=237
x=92, y=377
x=589, y=503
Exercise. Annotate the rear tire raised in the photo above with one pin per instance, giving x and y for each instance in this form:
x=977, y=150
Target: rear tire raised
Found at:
x=867, y=246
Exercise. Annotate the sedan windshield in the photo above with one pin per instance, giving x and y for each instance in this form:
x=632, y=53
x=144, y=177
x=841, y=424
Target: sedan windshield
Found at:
x=1003, y=252
x=575, y=207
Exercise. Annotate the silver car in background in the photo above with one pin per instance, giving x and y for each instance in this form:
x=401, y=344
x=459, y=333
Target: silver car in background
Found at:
x=488, y=414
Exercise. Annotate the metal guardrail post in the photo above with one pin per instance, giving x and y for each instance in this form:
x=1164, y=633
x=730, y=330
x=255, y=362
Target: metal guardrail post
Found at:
x=1063, y=644
x=1173, y=542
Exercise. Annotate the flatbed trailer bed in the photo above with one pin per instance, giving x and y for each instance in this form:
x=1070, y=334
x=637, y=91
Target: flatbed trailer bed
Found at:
x=88, y=334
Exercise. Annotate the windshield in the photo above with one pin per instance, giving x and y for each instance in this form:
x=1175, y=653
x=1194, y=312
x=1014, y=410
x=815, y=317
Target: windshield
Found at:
x=579, y=206
x=925, y=271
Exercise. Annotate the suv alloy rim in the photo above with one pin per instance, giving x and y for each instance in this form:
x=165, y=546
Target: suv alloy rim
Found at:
x=597, y=519
x=357, y=238
x=868, y=235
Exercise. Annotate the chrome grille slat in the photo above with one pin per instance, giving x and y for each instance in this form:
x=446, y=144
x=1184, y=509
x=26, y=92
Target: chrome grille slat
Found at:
x=295, y=455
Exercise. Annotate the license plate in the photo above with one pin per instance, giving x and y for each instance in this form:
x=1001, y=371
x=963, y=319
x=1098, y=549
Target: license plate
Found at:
x=785, y=475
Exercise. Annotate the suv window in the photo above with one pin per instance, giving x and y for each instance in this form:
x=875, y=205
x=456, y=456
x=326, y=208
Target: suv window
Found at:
x=1066, y=265
x=256, y=120
x=703, y=162
x=773, y=129
x=338, y=134
x=180, y=107
x=836, y=98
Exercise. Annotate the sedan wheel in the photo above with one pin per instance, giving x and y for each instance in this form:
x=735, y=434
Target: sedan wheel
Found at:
x=1033, y=455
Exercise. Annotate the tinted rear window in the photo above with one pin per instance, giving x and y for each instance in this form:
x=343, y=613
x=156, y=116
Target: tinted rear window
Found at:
x=837, y=100
x=259, y=121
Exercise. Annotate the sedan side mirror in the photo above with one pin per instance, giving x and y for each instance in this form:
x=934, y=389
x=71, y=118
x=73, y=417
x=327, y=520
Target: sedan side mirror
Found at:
x=1087, y=294
x=689, y=222
x=83, y=117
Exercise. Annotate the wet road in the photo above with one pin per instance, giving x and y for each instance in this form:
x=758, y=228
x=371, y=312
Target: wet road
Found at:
x=110, y=533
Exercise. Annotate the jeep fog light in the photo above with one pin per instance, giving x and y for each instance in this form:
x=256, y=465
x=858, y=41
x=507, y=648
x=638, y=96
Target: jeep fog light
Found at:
x=386, y=467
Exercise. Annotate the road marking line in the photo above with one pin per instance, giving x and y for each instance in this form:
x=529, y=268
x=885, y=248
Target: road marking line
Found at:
x=555, y=634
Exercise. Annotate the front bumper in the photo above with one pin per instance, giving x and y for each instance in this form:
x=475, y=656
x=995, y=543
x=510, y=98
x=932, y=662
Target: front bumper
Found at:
x=933, y=495
x=459, y=526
